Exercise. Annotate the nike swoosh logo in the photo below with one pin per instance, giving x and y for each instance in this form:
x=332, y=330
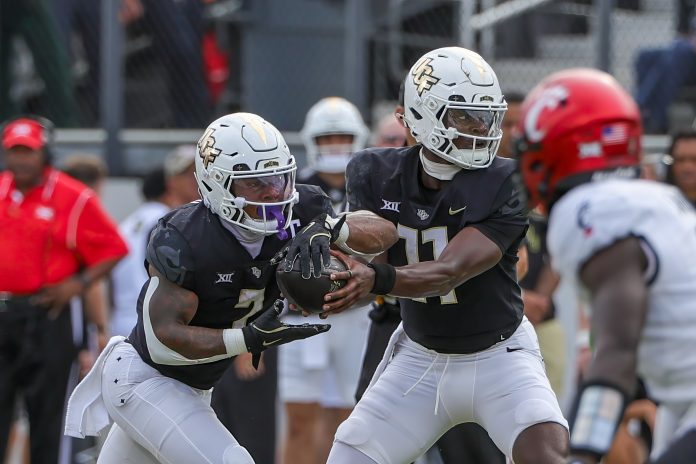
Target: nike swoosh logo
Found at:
x=455, y=211
x=510, y=350
x=271, y=343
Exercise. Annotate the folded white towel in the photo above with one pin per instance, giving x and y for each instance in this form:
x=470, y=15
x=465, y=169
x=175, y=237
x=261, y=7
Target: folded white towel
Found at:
x=86, y=412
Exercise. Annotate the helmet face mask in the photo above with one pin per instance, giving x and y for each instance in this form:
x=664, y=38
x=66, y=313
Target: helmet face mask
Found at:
x=454, y=107
x=333, y=116
x=246, y=174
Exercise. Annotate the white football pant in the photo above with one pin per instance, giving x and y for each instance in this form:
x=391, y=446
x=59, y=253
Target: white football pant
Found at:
x=418, y=394
x=159, y=419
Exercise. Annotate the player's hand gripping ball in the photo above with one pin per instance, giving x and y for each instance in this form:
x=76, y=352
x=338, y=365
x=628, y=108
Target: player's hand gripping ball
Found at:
x=308, y=294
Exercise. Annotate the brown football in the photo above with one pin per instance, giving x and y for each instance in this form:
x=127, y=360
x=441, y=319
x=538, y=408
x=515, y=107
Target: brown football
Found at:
x=308, y=294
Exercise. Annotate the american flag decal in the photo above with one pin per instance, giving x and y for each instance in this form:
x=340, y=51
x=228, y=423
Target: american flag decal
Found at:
x=614, y=134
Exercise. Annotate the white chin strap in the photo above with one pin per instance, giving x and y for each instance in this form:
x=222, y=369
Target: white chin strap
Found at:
x=247, y=235
x=332, y=164
x=440, y=171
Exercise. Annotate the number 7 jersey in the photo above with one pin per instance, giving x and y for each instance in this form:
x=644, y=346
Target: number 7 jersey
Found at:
x=592, y=217
x=487, y=308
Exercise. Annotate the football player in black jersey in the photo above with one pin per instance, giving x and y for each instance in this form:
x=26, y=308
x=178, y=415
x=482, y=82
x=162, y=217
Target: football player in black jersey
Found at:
x=464, y=353
x=317, y=376
x=212, y=295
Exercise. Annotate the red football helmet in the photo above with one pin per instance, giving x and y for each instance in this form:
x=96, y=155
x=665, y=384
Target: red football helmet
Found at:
x=574, y=123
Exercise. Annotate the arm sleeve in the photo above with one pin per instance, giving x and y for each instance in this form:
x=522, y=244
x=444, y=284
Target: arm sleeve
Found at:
x=96, y=236
x=358, y=185
x=170, y=253
x=507, y=224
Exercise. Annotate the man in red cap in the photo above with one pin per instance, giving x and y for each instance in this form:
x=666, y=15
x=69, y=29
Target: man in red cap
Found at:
x=55, y=240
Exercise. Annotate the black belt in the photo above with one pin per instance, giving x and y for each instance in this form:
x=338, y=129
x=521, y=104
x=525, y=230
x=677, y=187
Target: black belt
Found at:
x=9, y=301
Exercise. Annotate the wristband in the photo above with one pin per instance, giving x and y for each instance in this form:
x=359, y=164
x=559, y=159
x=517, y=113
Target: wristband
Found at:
x=385, y=278
x=83, y=279
x=596, y=415
x=343, y=232
x=234, y=341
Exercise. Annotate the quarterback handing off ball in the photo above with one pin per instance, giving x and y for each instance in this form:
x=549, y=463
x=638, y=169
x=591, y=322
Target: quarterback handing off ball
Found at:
x=308, y=294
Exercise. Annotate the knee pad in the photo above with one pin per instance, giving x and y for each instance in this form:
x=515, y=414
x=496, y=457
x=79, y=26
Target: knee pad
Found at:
x=237, y=454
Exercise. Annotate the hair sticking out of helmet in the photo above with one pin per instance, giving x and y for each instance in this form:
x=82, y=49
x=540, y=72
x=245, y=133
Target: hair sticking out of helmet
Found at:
x=246, y=174
x=454, y=106
x=577, y=125
x=333, y=116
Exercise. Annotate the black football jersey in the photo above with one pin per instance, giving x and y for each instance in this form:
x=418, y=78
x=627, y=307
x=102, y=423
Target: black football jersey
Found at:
x=192, y=248
x=338, y=196
x=485, y=309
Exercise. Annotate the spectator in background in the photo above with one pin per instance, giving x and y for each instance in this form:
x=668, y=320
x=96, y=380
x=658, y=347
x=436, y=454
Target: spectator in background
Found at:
x=512, y=116
x=92, y=172
x=55, y=240
x=32, y=21
x=682, y=172
x=176, y=28
x=88, y=169
x=390, y=132
x=661, y=73
x=655, y=166
x=163, y=189
x=94, y=304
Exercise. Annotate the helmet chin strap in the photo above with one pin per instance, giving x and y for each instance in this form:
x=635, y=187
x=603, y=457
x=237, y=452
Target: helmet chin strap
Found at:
x=440, y=171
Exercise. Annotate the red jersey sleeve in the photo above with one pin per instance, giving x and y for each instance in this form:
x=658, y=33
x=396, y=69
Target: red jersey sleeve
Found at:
x=94, y=235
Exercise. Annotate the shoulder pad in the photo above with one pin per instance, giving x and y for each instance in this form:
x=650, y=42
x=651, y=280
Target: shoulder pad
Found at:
x=170, y=253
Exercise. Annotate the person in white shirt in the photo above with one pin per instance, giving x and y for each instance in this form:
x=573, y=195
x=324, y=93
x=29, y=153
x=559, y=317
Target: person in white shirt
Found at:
x=164, y=188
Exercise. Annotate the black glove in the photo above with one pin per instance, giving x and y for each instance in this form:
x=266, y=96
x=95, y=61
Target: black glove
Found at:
x=311, y=244
x=267, y=330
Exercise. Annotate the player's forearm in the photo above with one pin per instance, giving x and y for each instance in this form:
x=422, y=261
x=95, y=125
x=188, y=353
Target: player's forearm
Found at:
x=192, y=342
x=468, y=255
x=370, y=233
x=616, y=366
x=431, y=278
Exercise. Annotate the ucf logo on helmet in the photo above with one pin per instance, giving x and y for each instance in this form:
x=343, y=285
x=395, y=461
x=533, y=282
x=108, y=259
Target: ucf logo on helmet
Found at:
x=423, y=76
x=206, y=147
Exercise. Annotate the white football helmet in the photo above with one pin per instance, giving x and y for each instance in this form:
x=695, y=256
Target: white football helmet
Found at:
x=452, y=93
x=333, y=115
x=245, y=147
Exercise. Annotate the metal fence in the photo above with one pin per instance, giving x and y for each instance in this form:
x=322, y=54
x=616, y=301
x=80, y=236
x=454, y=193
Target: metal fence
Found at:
x=177, y=64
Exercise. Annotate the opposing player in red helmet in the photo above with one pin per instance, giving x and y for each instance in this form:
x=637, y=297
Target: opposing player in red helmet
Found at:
x=576, y=123
x=629, y=245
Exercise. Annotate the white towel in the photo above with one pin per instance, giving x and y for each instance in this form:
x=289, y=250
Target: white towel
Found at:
x=86, y=412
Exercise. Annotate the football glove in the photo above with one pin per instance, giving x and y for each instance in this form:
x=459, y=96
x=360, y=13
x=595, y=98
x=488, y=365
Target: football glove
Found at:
x=267, y=330
x=311, y=245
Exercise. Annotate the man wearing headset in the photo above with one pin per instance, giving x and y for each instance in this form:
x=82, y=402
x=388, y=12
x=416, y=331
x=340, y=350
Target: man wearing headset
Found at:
x=55, y=240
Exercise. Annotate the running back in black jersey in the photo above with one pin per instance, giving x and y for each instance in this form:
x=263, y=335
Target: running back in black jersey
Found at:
x=487, y=308
x=192, y=248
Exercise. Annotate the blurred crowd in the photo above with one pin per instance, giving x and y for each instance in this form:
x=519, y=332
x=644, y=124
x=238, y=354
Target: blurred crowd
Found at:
x=51, y=54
